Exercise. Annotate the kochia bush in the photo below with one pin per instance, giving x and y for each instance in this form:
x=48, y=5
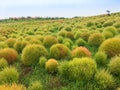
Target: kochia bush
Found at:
x=60, y=51
x=31, y=54
x=111, y=47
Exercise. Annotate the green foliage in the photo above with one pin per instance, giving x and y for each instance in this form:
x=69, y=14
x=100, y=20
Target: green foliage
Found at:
x=60, y=39
x=81, y=52
x=9, y=54
x=49, y=41
x=111, y=47
x=36, y=85
x=3, y=63
x=81, y=42
x=60, y=51
x=20, y=45
x=108, y=23
x=3, y=45
x=96, y=39
x=9, y=75
x=70, y=35
x=31, y=54
x=101, y=58
x=42, y=61
x=85, y=35
x=10, y=42
x=114, y=66
x=104, y=80
x=51, y=65
x=79, y=69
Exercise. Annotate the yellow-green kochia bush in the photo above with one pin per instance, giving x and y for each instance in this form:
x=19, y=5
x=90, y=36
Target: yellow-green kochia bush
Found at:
x=49, y=41
x=96, y=39
x=114, y=66
x=9, y=75
x=104, y=80
x=81, y=69
x=3, y=63
x=60, y=51
x=51, y=65
x=31, y=54
x=111, y=47
x=10, y=42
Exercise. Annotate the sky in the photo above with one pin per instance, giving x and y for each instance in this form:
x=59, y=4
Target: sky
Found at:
x=56, y=8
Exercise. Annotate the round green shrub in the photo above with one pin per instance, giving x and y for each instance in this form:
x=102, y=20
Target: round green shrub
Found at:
x=3, y=45
x=101, y=58
x=42, y=61
x=49, y=41
x=111, y=29
x=35, y=41
x=81, y=52
x=80, y=42
x=85, y=35
x=117, y=24
x=96, y=39
x=104, y=80
x=20, y=45
x=70, y=35
x=51, y=65
x=60, y=39
x=62, y=33
x=108, y=34
x=9, y=75
x=114, y=66
x=3, y=63
x=9, y=54
x=10, y=42
x=36, y=85
x=108, y=23
x=31, y=54
x=111, y=47
x=60, y=51
x=79, y=69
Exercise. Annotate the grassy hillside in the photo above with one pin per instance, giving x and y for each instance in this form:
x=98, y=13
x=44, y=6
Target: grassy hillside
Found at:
x=81, y=53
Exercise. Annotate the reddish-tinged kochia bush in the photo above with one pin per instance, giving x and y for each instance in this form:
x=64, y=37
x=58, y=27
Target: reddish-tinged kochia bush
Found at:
x=81, y=52
x=9, y=54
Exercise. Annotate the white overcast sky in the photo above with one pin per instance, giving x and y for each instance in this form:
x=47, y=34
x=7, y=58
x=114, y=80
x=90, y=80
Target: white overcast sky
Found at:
x=56, y=8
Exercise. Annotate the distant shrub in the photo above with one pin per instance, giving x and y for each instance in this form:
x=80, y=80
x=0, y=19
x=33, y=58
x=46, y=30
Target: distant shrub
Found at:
x=79, y=69
x=60, y=51
x=42, y=61
x=10, y=42
x=104, y=80
x=9, y=75
x=51, y=65
x=3, y=45
x=49, y=41
x=117, y=25
x=60, y=39
x=3, y=63
x=96, y=39
x=89, y=24
x=36, y=85
x=70, y=35
x=20, y=45
x=62, y=33
x=80, y=42
x=35, y=41
x=114, y=66
x=108, y=35
x=12, y=87
x=101, y=58
x=111, y=47
x=85, y=35
x=68, y=28
x=9, y=54
x=110, y=29
x=81, y=52
x=31, y=54
x=108, y=23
